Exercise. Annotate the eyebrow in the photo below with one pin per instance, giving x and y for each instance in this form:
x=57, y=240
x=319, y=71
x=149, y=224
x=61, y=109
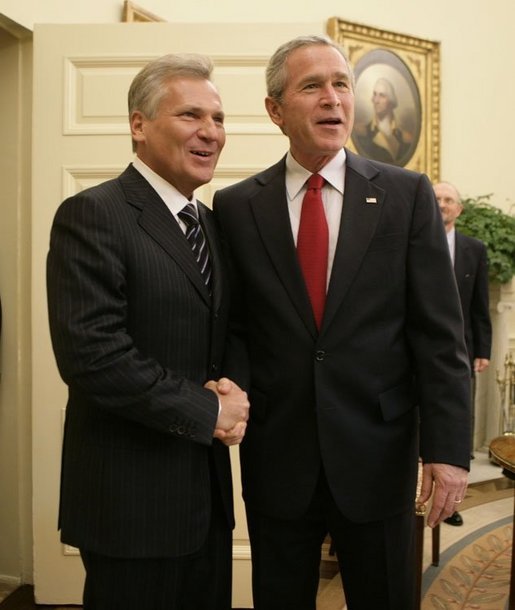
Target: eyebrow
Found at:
x=318, y=77
x=200, y=110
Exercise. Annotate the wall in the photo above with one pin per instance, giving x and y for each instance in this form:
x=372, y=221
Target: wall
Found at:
x=477, y=94
x=15, y=428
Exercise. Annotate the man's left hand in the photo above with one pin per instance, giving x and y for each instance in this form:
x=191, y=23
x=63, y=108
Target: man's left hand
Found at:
x=480, y=364
x=449, y=484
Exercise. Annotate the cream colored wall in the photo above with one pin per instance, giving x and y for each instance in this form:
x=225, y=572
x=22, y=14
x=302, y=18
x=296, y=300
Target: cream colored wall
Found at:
x=15, y=428
x=477, y=98
x=478, y=46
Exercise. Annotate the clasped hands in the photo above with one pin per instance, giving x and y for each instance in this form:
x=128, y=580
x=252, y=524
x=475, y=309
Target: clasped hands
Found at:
x=234, y=413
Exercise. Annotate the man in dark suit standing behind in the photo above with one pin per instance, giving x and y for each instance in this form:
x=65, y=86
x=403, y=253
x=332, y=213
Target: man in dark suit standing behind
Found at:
x=358, y=366
x=470, y=262
x=138, y=315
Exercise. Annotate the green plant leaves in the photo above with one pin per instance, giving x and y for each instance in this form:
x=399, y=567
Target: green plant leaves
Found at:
x=496, y=229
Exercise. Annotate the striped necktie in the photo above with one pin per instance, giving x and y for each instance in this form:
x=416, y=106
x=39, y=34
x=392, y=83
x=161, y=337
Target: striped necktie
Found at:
x=197, y=240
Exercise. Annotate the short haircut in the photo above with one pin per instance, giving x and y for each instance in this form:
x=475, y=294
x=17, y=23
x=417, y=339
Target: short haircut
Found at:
x=276, y=74
x=150, y=84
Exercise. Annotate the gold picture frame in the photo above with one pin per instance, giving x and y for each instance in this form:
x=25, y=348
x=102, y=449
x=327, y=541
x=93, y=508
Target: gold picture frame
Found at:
x=407, y=72
x=134, y=13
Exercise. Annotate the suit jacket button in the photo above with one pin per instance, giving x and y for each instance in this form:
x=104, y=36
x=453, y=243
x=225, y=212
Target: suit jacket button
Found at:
x=320, y=355
x=181, y=430
x=214, y=367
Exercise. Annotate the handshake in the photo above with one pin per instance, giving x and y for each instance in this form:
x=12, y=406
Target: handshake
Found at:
x=234, y=412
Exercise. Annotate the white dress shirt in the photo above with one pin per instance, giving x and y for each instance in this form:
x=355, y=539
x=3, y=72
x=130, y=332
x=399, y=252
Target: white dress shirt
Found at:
x=173, y=199
x=332, y=197
x=451, y=242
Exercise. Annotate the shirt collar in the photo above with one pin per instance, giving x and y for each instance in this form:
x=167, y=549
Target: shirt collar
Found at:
x=333, y=172
x=174, y=200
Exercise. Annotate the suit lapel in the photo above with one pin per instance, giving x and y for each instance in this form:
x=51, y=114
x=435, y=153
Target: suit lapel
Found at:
x=357, y=226
x=157, y=220
x=270, y=209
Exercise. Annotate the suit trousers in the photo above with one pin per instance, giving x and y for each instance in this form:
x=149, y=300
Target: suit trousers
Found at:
x=200, y=581
x=376, y=560
x=472, y=413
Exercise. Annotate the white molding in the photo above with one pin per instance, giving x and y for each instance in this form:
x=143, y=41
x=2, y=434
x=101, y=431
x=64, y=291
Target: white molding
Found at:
x=503, y=306
x=75, y=67
x=10, y=581
x=72, y=175
x=241, y=552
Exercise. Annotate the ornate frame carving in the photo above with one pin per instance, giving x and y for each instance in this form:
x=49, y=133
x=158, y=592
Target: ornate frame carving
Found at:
x=132, y=12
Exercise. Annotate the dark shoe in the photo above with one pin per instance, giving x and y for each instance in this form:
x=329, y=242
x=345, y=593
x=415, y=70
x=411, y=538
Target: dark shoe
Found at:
x=454, y=519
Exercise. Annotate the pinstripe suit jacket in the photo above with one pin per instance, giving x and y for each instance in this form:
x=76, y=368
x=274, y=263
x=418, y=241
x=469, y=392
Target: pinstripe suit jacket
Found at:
x=135, y=335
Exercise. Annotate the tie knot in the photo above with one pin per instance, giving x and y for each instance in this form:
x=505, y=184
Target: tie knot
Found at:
x=189, y=215
x=315, y=181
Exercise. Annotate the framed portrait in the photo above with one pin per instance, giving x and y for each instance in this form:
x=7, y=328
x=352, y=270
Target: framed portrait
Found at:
x=397, y=95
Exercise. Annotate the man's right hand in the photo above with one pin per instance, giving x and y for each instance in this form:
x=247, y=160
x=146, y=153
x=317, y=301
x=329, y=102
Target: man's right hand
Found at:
x=234, y=413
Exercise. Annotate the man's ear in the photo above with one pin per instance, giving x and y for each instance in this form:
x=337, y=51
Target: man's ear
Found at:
x=273, y=107
x=136, y=124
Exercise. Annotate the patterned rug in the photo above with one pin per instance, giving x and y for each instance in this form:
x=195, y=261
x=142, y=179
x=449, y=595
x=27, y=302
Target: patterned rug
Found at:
x=474, y=573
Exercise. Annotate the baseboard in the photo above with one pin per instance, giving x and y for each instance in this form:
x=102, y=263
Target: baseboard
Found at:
x=23, y=599
x=10, y=581
x=20, y=599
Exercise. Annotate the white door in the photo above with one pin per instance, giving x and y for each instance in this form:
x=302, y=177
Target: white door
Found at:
x=80, y=138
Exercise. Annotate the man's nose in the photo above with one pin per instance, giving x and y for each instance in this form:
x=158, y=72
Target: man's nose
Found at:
x=208, y=129
x=330, y=96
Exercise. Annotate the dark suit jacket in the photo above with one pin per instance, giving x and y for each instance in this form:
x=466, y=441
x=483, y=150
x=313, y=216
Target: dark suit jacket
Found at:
x=471, y=270
x=390, y=352
x=135, y=335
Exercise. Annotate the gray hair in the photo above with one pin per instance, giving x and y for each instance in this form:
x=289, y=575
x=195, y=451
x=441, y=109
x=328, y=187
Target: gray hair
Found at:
x=390, y=91
x=149, y=86
x=276, y=74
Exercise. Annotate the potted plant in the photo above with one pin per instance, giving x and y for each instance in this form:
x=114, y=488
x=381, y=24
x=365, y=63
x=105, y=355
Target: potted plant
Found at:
x=496, y=229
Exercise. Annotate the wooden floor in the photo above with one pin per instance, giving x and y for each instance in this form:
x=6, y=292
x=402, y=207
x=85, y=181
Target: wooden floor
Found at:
x=23, y=599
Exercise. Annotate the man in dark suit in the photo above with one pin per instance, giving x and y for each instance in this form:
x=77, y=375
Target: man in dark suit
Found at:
x=138, y=318
x=470, y=262
x=345, y=395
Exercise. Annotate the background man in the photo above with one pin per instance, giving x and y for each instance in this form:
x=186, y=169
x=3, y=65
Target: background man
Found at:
x=138, y=322
x=354, y=343
x=470, y=262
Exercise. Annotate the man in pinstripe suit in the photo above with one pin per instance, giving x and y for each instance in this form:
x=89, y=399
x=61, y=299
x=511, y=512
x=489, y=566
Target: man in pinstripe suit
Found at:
x=138, y=329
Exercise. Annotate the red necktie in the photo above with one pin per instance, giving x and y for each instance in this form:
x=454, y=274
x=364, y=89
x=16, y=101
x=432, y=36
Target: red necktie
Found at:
x=312, y=245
